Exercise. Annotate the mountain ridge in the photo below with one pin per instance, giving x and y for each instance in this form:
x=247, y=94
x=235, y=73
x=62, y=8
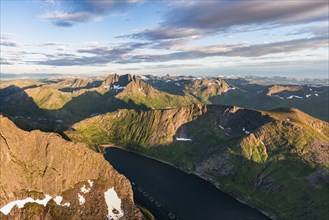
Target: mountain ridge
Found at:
x=36, y=164
x=245, y=152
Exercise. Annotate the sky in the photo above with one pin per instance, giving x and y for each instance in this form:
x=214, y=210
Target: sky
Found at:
x=202, y=37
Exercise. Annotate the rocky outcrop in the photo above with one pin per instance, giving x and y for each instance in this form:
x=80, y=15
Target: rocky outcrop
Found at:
x=110, y=79
x=137, y=86
x=206, y=88
x=278, y=88
x=41, y=165
x=118, y=80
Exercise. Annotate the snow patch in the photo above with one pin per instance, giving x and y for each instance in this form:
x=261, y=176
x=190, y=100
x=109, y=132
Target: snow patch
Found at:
x=294, y=96
x=82, y=199
x=58, y=200
x=113, y=203
x=85, y=189
x=21, y=203
x=66, y=204
x=245, y=131
x=277, y=96
x=144, y=78
x=90, y=183
x=183, y=139
x=117, y=87
x=141, y=90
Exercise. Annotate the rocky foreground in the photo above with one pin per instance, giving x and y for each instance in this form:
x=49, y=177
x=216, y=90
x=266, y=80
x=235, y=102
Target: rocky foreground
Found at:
x=43, y=176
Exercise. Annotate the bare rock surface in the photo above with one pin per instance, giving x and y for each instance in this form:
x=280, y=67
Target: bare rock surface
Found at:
x=35, y=164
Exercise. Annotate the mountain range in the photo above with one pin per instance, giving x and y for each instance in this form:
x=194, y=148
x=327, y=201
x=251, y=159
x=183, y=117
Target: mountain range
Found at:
x=267, y=145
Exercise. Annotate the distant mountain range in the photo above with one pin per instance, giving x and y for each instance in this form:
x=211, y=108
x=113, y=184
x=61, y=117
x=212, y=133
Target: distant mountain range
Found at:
x=74, y=98
x=270, y=80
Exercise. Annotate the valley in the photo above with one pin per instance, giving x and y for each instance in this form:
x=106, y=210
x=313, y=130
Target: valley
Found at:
x=261, y=144
x=172, y=194
x=164, y=110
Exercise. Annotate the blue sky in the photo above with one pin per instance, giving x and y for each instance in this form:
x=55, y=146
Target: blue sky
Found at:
x=265, y=38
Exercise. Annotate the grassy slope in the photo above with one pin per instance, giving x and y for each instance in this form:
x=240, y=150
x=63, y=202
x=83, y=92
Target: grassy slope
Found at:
x=270, y=166
x=49, y=98
x=162, y=100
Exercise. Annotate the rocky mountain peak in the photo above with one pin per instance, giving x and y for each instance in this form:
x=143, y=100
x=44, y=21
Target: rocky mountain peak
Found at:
x=138, y=87
x=110, y=79
x=36, y=165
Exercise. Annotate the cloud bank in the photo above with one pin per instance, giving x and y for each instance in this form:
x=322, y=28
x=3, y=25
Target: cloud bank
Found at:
x=85, y=10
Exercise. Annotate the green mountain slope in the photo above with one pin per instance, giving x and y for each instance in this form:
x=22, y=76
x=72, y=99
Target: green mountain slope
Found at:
x=277, y=161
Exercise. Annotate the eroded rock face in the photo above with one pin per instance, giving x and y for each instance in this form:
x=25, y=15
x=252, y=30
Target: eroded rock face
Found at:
x=35, y=164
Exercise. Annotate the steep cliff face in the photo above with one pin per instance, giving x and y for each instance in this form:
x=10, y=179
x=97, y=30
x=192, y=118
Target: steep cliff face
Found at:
x=58, y=178
x=109, y=80
x=261, y=157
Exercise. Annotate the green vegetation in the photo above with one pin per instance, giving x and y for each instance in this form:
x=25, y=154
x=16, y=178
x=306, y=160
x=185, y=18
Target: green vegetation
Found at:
x=32, y=210
x=280, y=167
x=147, y=215
x=158, y=100
x=275, y=168
x=253, y=149
x=49, y=98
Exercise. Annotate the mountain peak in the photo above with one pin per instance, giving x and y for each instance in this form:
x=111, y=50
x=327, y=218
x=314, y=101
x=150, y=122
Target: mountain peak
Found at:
x=37, y=165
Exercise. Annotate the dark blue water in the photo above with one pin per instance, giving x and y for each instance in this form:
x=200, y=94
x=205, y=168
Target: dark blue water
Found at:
x=172, y=194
